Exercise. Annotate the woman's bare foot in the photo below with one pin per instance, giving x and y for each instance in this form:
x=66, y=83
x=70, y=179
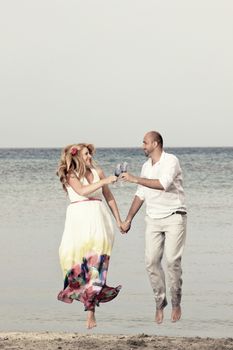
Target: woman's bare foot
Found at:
x=91, y=321
x=159, y=316
x=176, y=313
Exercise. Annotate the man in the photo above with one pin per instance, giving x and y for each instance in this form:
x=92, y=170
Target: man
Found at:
x=160, y=186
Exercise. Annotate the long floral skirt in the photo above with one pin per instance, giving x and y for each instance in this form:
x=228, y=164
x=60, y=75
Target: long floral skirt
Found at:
x=84, y=254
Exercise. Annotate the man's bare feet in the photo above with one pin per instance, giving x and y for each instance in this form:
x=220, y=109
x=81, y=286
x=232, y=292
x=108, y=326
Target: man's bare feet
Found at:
x=91, y=321
x=176, y=313
x=159, y=316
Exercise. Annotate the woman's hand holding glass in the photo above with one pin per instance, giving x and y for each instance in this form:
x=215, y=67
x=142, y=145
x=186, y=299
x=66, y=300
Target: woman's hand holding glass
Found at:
x=110, y=180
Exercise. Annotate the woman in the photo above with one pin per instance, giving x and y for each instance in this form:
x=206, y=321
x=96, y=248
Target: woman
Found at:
x=88, y=235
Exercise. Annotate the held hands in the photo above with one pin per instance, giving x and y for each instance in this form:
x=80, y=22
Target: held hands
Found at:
x=125, y=226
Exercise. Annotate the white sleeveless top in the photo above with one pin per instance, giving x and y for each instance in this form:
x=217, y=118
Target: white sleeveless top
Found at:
x=74, y=196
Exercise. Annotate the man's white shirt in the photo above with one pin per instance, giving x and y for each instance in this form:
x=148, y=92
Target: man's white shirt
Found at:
x=162, y=203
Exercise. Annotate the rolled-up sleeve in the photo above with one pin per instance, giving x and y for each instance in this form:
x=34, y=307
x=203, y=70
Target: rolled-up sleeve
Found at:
x=169, y=173
x=140, y=192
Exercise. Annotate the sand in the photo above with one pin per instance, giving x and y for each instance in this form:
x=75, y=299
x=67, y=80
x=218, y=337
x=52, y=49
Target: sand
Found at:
x=69, y=341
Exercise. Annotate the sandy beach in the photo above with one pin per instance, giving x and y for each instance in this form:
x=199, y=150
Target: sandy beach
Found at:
x=68, y=341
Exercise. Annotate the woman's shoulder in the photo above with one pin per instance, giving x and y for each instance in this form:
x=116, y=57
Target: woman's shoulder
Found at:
x=73, y=176
x=99, y=171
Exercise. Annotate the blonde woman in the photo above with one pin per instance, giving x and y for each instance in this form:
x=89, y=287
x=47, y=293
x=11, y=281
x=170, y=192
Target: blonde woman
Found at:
x=88, y=235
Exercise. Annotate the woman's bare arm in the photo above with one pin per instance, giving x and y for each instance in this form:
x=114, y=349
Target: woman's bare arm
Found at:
x=84, y=190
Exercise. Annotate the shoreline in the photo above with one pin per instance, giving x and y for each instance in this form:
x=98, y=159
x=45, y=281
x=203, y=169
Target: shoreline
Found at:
x=60, y=340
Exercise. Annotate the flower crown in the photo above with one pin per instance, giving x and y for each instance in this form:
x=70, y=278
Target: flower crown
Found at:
x=74, y=151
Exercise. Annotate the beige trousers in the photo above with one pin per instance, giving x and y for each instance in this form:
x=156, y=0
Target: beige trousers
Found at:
x=167, y=236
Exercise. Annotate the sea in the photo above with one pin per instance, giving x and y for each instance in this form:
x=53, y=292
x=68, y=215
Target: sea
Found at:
x=32, y=216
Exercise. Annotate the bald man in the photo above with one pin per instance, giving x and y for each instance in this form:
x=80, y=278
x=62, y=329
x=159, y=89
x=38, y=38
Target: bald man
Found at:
x=160, y=186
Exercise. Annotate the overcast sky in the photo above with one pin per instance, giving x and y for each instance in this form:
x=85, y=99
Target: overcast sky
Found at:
x=106, y=72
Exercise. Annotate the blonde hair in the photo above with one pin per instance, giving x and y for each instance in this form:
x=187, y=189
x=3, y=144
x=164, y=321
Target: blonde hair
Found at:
x=71, y=161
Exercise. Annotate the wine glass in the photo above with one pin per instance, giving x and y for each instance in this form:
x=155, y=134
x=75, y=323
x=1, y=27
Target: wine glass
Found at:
x=118, y=170
x=124, y=167
x=121, y=168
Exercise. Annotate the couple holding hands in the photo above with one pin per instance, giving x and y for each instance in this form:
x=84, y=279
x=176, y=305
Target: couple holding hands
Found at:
x=88, y=235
